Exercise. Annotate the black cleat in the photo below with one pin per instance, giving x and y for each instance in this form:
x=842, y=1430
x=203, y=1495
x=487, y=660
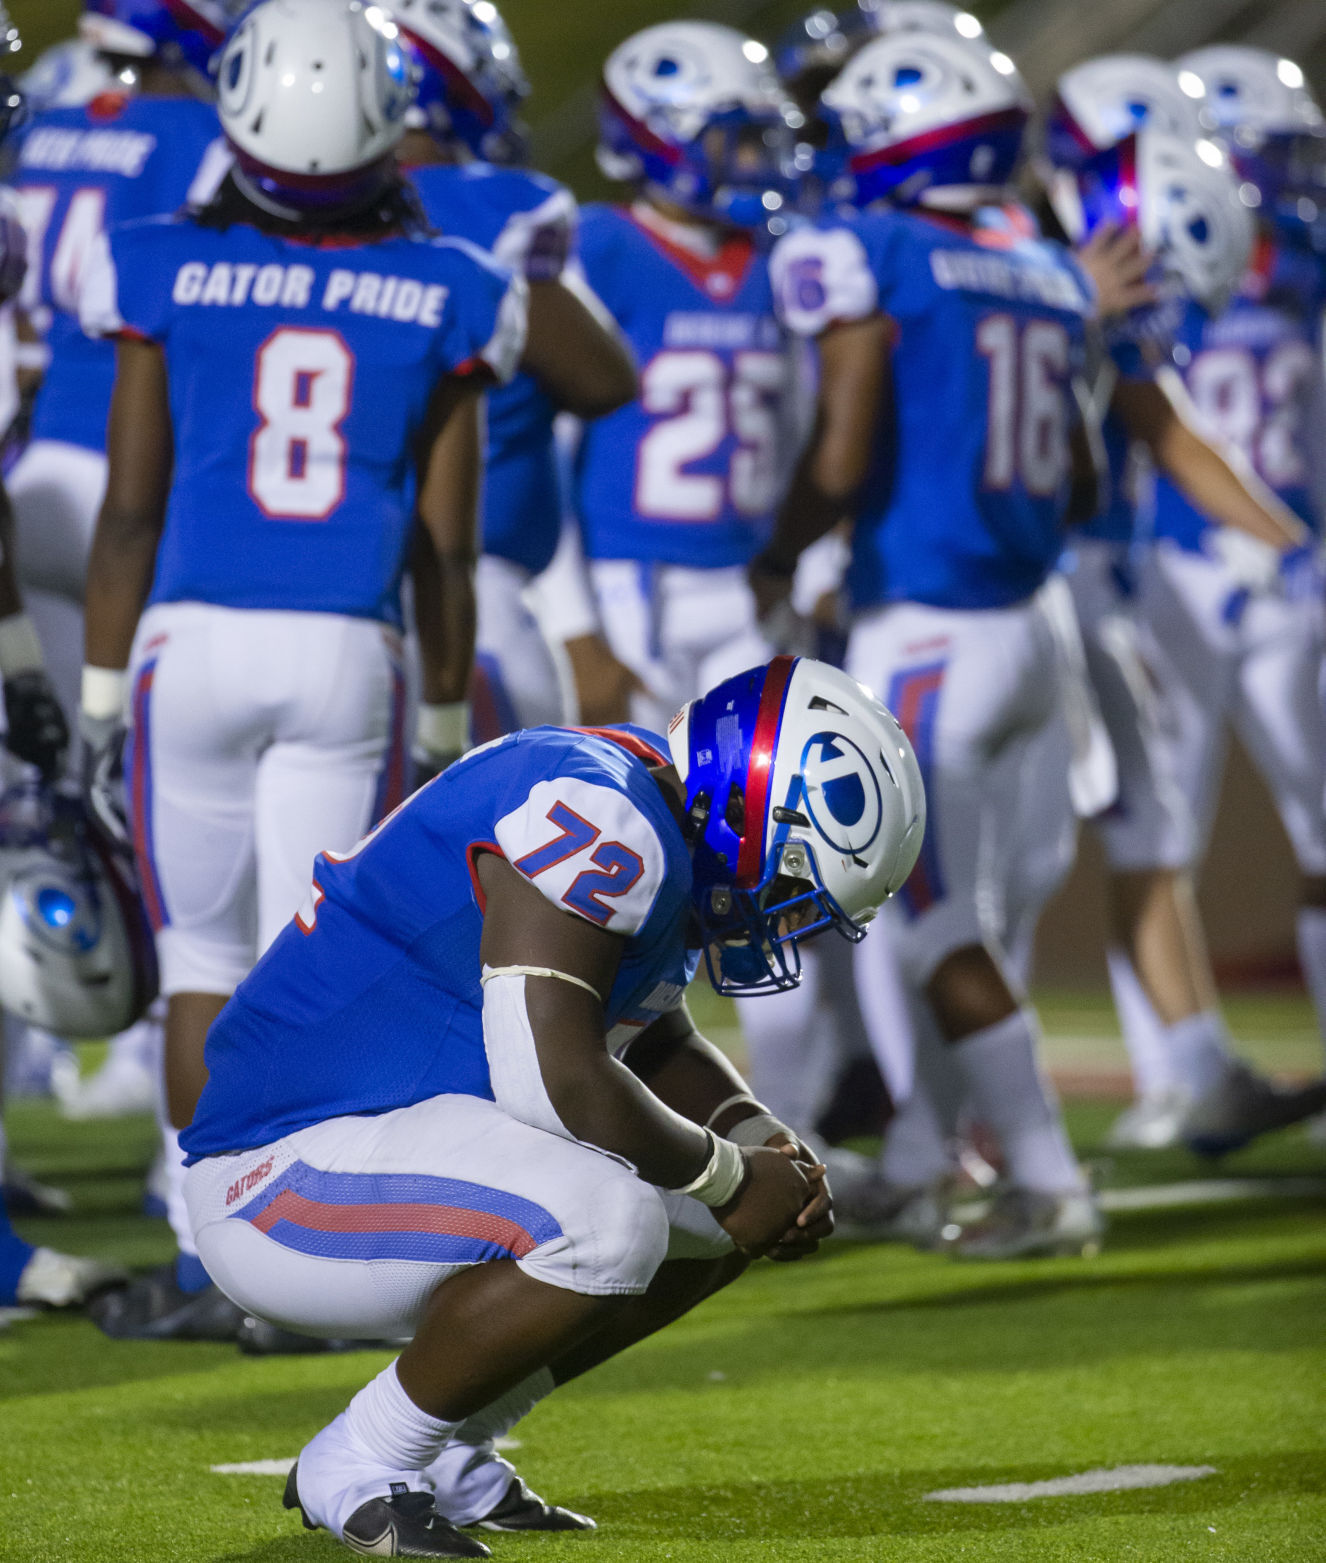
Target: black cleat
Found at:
x=155, y=1307
x=405, y=1525
x=522, y=1509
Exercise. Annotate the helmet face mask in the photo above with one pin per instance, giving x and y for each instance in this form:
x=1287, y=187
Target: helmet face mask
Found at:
x=806, y=813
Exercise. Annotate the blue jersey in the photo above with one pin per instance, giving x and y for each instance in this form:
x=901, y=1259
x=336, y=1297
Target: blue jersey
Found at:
x=528, y=222
x=299, y=377
x=371, y=999
x=691, y=472
x=79, y=171
x=964, y=506
x=1255, y=375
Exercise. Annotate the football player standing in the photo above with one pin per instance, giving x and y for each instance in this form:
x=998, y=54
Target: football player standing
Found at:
x=243, y=608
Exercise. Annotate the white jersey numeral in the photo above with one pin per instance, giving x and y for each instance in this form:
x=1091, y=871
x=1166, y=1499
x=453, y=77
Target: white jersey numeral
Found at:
x=83, y=222
x=700, y=401
x=301, y=390
x=1257, y=409
x=1026, y=433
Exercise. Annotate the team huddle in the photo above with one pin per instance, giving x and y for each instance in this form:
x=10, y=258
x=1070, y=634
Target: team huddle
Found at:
x=436, y=623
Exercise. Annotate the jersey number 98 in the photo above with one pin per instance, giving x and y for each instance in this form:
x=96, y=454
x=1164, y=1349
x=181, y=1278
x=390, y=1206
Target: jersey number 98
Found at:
x=301, y=391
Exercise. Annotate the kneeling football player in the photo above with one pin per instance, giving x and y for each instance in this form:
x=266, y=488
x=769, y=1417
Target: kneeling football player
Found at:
x=461, y=1101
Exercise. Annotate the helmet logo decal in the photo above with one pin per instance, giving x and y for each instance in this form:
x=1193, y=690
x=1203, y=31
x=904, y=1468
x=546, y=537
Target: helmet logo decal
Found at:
x=841, y=793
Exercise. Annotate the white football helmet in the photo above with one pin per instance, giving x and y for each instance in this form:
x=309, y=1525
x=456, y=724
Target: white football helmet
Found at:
x=696, y=112
x=1103, y=100
x=925, y=117
x=1272, y=125
x=76, y=954
x=806, y=811
x=1182, y=196
x=312, y=95
x=67, y=75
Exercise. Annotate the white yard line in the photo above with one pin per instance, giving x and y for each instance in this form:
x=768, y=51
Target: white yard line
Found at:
x=1210, y=1191
x=1119, y=1478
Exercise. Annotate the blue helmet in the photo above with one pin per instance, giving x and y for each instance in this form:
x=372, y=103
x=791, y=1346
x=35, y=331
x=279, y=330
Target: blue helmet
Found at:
x=469, y=84
x=926, y=118
x=806, y=811
x=695, y=112
x=184, y=34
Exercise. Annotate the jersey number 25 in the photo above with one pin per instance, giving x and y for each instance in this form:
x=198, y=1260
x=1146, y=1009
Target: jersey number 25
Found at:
x=302, y=384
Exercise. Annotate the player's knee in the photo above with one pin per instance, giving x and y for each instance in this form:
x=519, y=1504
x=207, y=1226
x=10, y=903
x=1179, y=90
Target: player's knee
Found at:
x=614, y=1240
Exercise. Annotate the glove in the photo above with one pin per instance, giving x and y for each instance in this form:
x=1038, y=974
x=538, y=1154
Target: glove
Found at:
x=103, y=776
x=37, y=731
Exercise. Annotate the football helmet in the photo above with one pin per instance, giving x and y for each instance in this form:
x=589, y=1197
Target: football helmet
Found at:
x=13, y=102
x=182, y=33
x=312, y=96
x=66, y=75
x=925, y=118
x=806, y=811
x=812, y=51
x=1181, y=195
x=695, y=112
x=468, y=79
x=76, y=953
x=1103, y=100
x=1272, y=126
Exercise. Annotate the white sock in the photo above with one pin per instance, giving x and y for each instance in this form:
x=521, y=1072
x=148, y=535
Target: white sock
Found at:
x=883, y=997
x=1198, y=1049
x=1311, y=929
x=1143, y=1031
x=1011, y=1096
x=916, y=1150
x=469, y=1477
x=177, y=1212
x=380, y=1439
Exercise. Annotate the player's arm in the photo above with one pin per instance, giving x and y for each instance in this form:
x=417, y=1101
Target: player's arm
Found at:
x=693, y=1077
x=35, y=727
x=854, y=358
x=444, y=549
x=1216, y=481
x=575, y=351
x=1088, y=465
x=140, y=457
x=545, y=1038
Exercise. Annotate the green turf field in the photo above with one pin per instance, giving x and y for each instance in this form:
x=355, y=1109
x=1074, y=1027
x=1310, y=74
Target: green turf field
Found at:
x=803, y=1414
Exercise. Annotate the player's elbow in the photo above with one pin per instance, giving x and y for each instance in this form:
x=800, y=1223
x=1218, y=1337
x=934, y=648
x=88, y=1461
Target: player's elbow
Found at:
x=601, y=384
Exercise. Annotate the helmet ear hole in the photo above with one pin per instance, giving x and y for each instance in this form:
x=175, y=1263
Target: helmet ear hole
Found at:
x=735, y=812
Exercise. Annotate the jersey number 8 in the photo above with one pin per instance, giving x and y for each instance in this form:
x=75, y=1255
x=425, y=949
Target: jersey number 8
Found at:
x=301, y=390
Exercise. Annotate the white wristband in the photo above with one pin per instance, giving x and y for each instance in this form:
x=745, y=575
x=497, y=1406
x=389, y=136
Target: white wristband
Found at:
x=722, y=1174
x=103, y=692
x=444, y=728
x=20, y=650
x=758, y=1129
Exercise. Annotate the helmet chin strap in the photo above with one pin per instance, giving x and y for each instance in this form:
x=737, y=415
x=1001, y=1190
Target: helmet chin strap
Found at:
x=251, y=191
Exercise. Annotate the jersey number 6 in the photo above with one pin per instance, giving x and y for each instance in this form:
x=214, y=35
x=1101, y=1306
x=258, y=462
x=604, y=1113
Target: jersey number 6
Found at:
x=301, y=390
x=616, y=869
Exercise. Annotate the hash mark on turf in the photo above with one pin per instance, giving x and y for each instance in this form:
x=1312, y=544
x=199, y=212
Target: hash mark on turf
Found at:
x=1119, y=1478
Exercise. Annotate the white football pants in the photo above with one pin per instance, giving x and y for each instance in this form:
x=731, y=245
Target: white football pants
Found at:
x=258, y=739
x=1258, y=669
x=348, y=1227
x=56, y=491
x=516, y=682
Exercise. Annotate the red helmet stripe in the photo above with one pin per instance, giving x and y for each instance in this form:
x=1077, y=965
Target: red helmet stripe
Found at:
x=943, y=136
x=750, y=858
x=467, y=94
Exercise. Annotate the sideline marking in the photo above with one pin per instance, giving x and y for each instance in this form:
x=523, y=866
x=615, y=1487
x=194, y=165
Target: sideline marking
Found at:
x=282, y=1467
x=1210, y=1191
x=1120, y=1478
